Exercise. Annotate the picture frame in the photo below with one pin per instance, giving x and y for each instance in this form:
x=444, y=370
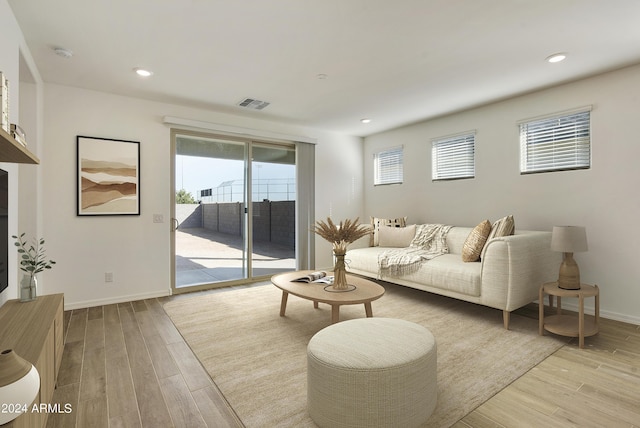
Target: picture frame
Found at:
x=108, y=176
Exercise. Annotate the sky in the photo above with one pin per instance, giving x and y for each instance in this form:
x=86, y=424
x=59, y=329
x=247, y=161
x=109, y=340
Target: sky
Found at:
x=197, y=173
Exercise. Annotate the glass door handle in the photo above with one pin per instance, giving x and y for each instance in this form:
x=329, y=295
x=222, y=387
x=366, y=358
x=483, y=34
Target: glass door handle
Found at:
x=175, y=223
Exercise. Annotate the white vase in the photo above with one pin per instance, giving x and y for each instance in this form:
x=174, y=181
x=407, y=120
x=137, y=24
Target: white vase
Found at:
x=28, y=288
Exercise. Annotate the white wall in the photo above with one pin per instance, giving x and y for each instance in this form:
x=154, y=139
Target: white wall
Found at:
x=135, y=249
x=604, y=198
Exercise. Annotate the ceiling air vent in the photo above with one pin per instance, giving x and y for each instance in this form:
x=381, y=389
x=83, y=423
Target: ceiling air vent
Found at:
x=253, y=104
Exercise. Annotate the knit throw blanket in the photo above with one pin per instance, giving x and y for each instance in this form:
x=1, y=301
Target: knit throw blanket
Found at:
x=430, y=242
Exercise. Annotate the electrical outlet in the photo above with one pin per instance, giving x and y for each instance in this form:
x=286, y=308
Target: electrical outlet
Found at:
x=158, y=218
x=108, y=277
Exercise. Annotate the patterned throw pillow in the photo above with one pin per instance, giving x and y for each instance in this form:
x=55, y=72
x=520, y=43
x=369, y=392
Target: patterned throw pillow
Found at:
x=503, y=227
x=475, y=242
x=376, y=222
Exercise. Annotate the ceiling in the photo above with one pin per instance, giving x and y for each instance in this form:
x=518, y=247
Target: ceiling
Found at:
x=328, y=63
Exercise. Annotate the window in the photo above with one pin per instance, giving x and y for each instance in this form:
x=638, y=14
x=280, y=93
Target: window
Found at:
x=556, y=143
x=453, y=157
x=387, y=166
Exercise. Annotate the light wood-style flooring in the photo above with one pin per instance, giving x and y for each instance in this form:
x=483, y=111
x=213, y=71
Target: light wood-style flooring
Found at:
x=598, y=386
x=126, y=365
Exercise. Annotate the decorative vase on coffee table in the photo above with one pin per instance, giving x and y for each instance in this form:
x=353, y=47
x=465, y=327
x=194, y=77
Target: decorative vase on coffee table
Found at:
x=339, y=272
x=340, y=235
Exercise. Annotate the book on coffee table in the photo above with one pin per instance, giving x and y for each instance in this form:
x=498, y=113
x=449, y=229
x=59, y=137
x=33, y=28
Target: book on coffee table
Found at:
x=317, y=277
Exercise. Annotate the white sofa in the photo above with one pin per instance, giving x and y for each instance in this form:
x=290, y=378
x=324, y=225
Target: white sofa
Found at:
x=507, y=277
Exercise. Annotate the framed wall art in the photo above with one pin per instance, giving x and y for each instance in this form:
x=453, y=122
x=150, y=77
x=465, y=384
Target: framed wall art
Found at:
x=108, y=173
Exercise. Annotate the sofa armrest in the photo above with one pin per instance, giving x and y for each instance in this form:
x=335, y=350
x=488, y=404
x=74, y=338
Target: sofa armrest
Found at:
x=514, y=267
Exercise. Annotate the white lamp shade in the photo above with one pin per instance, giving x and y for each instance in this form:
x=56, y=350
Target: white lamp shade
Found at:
x=21, y=391
x=569, y=239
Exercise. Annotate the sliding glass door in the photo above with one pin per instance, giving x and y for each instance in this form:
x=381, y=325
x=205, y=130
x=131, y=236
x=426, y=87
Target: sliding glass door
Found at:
x=225, y=230
x=273, y=209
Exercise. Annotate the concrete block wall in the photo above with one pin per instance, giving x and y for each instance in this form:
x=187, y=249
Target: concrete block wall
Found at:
x=272, y=221
x=210, y=215
x=262, y=221
x=283, y=223
x=189, y=215
x=230, y=218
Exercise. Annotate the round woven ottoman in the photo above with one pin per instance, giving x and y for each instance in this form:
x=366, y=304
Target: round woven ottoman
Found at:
x=371, y=372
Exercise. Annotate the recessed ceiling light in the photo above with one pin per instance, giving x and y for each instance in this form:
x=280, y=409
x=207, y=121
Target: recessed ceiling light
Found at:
x=365, y=120
x=557, y=57
x=142, y=72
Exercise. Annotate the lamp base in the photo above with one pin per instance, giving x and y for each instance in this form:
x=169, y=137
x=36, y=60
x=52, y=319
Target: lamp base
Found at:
x=569, y=277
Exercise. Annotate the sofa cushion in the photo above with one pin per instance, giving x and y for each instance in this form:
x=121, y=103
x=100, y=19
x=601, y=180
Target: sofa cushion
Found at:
x=475, y=242
x=364, y=259
x=396, y=237
x=381, y=222
x=456, y=237
x=446, y=272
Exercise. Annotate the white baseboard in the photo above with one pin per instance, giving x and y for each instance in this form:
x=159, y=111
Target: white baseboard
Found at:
x=620, y=317
x=112, y=300
x=603, y=314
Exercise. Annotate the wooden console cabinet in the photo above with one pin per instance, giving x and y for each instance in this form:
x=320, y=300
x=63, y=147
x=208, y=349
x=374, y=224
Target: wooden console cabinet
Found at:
x=35, y=331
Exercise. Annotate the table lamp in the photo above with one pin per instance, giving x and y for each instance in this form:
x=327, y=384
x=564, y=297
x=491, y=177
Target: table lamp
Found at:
x=19, y=384
x=569, y=240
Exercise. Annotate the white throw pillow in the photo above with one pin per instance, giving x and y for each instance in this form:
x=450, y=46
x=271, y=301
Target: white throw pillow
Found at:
x=377, y=223
x=398, y=237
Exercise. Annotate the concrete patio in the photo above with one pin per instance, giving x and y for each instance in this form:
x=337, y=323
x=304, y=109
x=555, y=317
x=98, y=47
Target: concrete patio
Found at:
x=204, y=256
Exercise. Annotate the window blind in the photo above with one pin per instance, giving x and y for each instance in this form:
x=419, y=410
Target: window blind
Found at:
x=387, y=166
x=453, y=157
x=556, y=143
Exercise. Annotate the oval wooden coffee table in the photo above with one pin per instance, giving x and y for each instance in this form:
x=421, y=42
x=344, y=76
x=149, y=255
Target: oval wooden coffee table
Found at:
x=365, y=292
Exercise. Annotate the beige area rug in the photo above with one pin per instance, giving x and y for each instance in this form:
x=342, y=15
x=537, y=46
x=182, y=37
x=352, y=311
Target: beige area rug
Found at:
x=258, y=359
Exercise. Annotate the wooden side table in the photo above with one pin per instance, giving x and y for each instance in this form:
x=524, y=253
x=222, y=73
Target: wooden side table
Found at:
x=568, y=325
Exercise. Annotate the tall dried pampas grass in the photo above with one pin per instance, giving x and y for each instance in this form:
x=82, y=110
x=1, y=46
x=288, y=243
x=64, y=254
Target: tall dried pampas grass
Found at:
x=342, y=234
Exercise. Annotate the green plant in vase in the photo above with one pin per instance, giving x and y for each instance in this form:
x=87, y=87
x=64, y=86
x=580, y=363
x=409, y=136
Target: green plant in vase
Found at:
x=32, y=262
x=340, y=235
